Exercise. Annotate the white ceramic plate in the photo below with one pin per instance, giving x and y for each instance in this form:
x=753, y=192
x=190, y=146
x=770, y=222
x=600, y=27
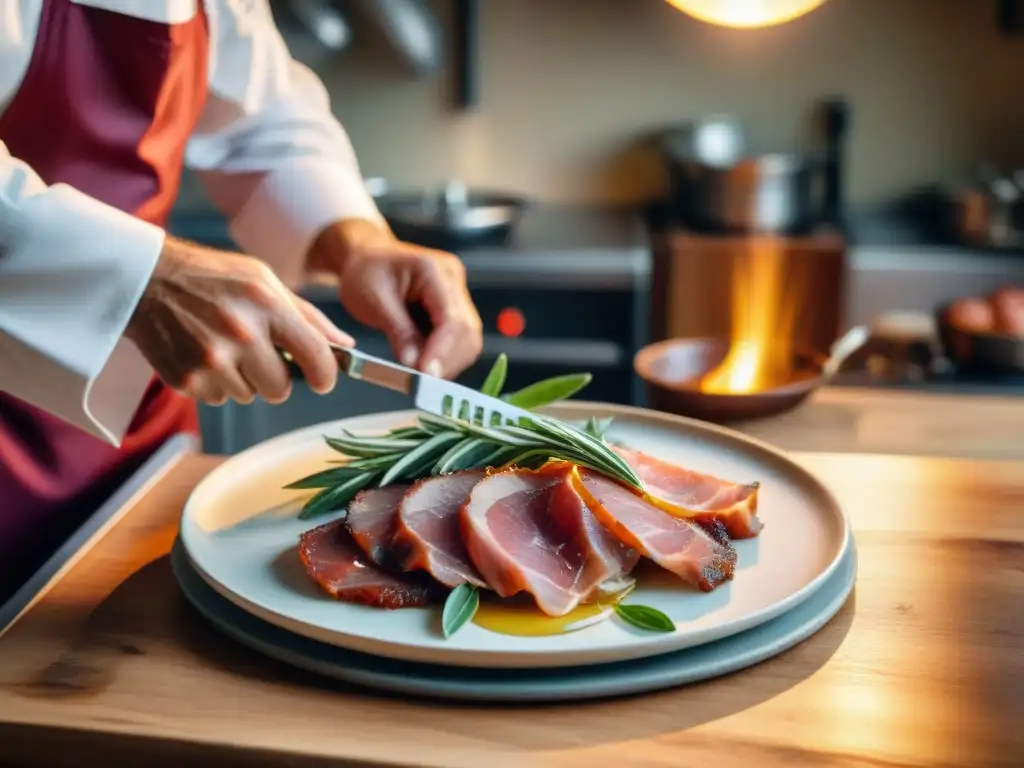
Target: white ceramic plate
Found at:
x=666, y=670
x=240, y=531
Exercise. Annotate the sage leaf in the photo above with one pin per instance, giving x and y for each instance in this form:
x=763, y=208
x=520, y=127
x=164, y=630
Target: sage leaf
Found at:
x=460, y=607
x=330, y=499
x=548, y=391
x=645, y=617
x=496, y=378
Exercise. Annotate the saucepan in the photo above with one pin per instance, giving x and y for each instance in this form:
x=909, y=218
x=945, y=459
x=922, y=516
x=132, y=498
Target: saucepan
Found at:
x=673, y=371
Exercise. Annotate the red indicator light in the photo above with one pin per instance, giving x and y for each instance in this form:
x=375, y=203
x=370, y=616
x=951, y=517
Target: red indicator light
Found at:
x=511, y=322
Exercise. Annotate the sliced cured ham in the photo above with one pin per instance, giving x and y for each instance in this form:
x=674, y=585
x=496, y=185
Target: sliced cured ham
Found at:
x=372, y=518
x=606, y=559
x=529, y=531
x=428, y=529
x=342, y=570
x=690, y=494
x=675, y=543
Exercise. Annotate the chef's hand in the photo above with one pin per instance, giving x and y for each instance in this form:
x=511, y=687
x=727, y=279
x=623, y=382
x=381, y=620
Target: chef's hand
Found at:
x=381, y=275
x=209, y=323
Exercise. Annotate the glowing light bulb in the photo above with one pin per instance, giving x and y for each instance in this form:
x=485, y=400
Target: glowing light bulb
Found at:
x=745, y=13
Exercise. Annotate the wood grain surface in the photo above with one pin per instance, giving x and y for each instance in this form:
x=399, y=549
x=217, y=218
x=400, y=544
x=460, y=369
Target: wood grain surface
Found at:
x=911, y=423
x=923, y=667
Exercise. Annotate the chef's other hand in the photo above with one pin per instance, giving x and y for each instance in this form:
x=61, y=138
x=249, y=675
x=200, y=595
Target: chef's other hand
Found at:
x=381, y=275
x=210, y=324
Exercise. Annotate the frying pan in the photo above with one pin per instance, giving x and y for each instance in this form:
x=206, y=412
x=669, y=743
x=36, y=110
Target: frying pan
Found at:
x=989, y=354
x=673, y=370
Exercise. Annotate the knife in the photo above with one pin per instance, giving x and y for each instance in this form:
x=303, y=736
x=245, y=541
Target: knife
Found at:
x=429, y=393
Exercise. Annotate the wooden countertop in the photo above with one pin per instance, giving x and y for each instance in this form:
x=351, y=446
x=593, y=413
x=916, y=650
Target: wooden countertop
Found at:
x=923, y=666
x=912, y=423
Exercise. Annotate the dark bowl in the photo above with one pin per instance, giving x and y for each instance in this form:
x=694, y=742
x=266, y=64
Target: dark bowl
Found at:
x=990, y=354
x=673, y=370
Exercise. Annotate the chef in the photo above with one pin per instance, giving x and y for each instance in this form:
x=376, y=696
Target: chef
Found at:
x=110, y=329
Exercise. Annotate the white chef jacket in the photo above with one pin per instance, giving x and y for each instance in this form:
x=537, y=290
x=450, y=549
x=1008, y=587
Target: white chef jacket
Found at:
x=270, y=155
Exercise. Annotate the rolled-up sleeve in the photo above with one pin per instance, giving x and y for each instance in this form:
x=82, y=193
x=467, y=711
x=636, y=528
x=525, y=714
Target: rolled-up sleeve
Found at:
x=268, y=150
x=72, y=270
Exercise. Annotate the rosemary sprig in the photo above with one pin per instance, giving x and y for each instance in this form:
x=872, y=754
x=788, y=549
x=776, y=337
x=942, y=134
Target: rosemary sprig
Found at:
x=438, y=445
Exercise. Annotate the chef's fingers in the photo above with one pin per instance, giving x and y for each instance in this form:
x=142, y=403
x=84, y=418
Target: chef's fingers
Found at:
x=457, y=338
x=307, y=346
x=261, y=365
x=235, y=385
x=203, y=386
x=387, y=304
x=322, y=323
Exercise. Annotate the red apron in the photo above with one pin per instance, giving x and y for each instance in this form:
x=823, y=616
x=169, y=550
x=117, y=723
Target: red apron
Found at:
x=106, y=106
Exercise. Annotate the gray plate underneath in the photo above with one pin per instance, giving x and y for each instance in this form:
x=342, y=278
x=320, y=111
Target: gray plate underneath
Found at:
x=523, y=685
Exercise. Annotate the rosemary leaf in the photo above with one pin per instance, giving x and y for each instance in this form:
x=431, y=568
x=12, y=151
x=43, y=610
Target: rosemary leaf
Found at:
x=500, y=456
x=496, y=378
x=367, y=447
x=410, y=433
x=383, y=461
x=548, y=391
x=460, y=607
x=426, y=452
x=596, y=427
x=466, y=454
x=323, y=479
x=330, y=499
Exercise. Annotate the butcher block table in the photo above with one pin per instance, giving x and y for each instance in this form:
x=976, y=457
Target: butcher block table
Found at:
x=924, y=666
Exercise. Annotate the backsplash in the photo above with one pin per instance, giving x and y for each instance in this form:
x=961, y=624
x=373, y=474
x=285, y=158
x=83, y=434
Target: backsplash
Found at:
x=571, y=88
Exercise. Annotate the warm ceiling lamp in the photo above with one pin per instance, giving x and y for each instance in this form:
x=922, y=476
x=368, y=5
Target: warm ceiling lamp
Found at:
x=746, y=13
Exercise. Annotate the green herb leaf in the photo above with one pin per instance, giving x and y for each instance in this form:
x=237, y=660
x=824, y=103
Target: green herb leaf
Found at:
x=645, y=617
x=548, y=391
x=496, y=378
x=426, y=452
x=368, y=447
x=466, y=454
x=460, y=607
x=330, y=499
x=597, y=427
x=323, y=479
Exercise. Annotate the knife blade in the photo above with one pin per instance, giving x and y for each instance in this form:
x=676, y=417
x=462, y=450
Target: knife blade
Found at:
x=429, y=393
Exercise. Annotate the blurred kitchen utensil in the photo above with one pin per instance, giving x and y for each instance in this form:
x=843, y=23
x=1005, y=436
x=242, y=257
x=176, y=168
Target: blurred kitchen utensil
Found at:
x=324, y=21
x=985, y=211
x=411, y=29
x=467, y=69
x=455, y=212
x=1000, y=354
x=675, y=369
x=720, y=185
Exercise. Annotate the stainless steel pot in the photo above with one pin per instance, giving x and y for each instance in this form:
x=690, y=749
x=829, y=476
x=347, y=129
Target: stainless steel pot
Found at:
x=718, y=186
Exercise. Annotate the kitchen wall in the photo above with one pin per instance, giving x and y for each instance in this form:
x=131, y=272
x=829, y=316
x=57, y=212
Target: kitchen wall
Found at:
x=571, y=88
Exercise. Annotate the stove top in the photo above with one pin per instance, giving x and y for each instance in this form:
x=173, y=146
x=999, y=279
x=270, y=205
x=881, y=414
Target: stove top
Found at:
x=557, y=230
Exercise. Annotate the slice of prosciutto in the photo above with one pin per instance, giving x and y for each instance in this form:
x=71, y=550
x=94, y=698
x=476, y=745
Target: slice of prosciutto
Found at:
x=372, y=518
x=428, y=529
x=529, y=531
x=704, y=498
x=676, y=544
x=342, y=570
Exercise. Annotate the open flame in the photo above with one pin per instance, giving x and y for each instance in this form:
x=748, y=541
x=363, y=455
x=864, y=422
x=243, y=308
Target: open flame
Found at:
x=763, y=319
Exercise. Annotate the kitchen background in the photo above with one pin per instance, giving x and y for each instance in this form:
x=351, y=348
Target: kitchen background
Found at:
x=571, y=93
x=570, y=89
